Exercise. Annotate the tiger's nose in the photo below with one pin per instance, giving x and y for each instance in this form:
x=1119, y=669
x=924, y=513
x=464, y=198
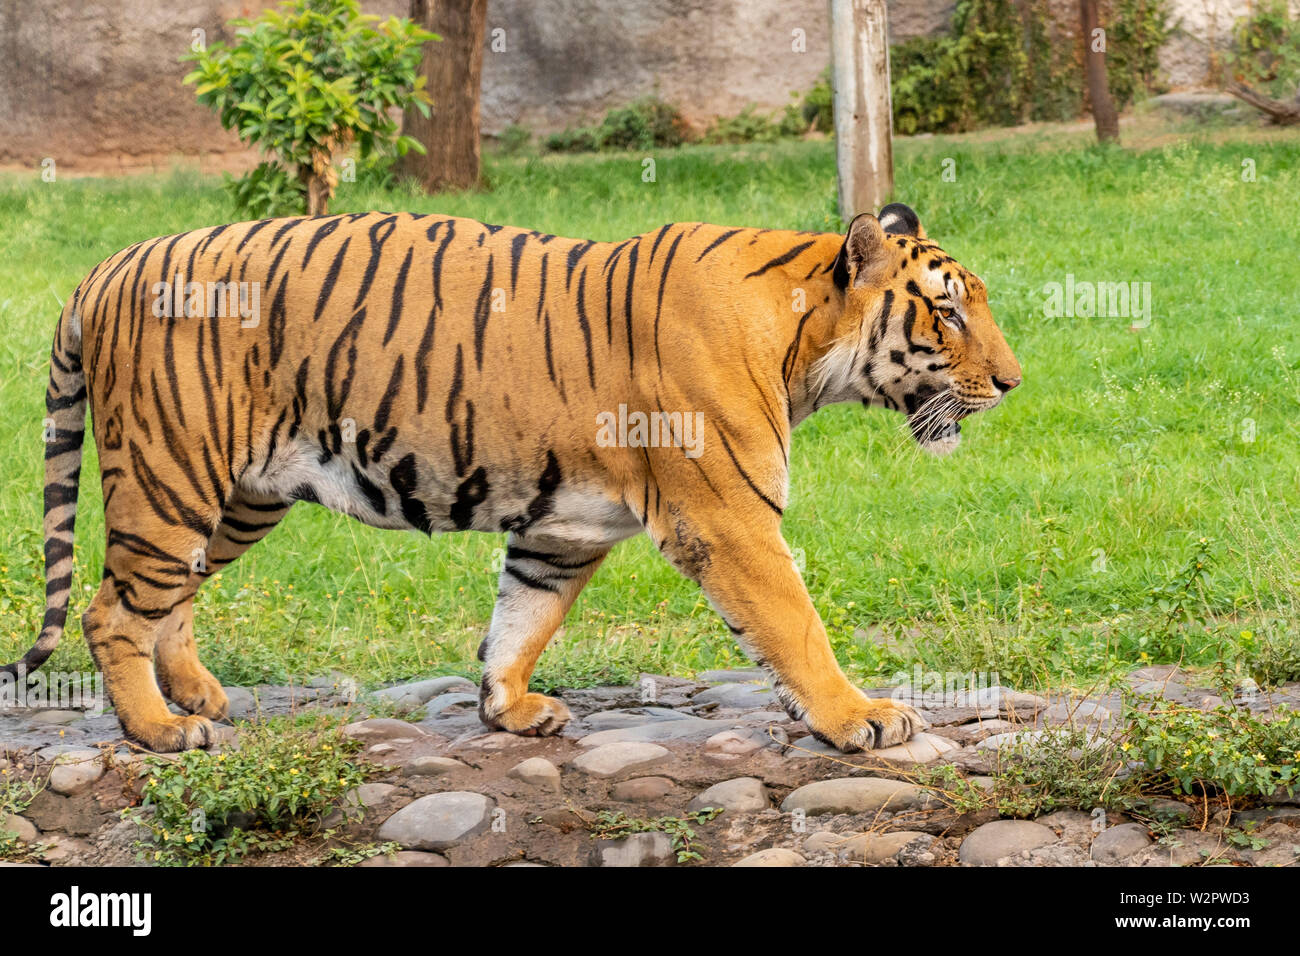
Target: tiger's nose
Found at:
x=1005, y=384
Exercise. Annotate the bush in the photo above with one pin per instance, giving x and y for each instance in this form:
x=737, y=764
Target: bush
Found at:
x=1266, y=50
x=304, y=82
x=644, y=124
x=214, y=808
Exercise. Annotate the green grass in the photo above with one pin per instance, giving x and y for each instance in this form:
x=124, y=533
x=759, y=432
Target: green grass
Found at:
x=1119, y=443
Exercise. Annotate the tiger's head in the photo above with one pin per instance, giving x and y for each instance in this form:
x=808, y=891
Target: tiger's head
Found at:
x=924, y=340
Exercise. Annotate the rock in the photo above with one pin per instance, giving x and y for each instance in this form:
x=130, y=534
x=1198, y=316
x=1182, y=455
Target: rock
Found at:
x=773, y=856
x=379, y=750
x=878, y=847
x=633, y=717
x=1199, y=106
x=609, y=760
x=827, y=841
x=682, y=728
x=923, y=748
x=243, y=704
x=741, y=795
x=412, y=695
x=1168, y=811
x=537, y=772
x=438, y=821
x=57, y=750
x=987, y=844
x=855, y=795
x=737, y=696
x=1117, y=843
x=445, y=702
x=432, y=767
x=1079, y=714
x=378, y=729
x=76, y=771
x=742, y=743
x=58, y=717
x=638, y=849
x=19, y=827
x=406, y=858
x=744, y=675
x=642, y=789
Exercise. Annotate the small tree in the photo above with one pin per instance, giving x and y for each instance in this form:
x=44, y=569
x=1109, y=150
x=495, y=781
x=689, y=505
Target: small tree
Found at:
x=305, y=82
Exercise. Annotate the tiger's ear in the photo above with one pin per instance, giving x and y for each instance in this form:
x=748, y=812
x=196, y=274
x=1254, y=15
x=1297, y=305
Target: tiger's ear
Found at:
x=899, y=220
x=862, y=257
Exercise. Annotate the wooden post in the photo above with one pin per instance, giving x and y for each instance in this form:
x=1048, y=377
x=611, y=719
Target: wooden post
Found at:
x=864, y=141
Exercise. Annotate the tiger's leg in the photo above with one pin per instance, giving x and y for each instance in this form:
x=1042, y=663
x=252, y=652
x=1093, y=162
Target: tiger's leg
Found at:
x=540, y=579
x=146, y=571
x=181, y=675
x=750, y=578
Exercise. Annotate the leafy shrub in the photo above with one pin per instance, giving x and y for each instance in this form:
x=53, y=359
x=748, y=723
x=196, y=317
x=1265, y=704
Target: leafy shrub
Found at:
x=1226, y=749
x=1266, y=50
x=304, y=82
x=514, y=139
x=214, y=808
x=644, y=124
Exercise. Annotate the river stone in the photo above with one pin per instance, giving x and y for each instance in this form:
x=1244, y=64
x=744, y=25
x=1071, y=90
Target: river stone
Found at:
x=877, y=847
x=738, y=696
x=438, y=821
x=987, y=844
x=736, y=743
x=406, y=858
x=1117, y=843
x=19, y=827
x=642, y=789
x=923, y=748
x=611, y=759
x=744, y=794
x=855, y=795
x=378, y=729
x=639, y=849
x=444, y=702
x=431, y=767
x=537, y=772
x=76, y=771
x=682, y=728
x=416, y=693
x=242, y=702
x=772, y=856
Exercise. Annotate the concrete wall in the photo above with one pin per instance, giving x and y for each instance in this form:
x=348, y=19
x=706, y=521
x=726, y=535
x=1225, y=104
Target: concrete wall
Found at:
x=88, y=82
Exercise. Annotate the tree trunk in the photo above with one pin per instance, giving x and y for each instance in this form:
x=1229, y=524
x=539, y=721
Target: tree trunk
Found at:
x=452, y=71
x=1278, y=111
x=1094, y=54
x=864, y=143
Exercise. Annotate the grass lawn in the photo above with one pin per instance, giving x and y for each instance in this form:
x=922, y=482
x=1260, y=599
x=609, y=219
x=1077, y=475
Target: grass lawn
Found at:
x=1032, y=552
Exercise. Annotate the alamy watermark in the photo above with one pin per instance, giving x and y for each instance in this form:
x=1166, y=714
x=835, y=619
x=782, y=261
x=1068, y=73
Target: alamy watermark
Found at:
x=221, y=300
x=626, y=429
x=53, y=690
x=1084, y=299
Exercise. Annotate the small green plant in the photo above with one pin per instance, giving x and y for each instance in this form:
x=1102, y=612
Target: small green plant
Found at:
x=15, y=797
x=616, y=825
x=215, y=808
x=643, y=124
x=351, y=855
x=1178, y=608
x=304, y=82
x=1226, y=749
x=1065, y=768
x=1266, y=49
x=514, y=139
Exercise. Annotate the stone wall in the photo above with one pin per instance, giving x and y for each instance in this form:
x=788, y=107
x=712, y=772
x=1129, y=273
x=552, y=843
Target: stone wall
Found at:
x=84, y=81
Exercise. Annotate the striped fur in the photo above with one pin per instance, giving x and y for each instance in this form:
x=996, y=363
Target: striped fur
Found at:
x=439, y=374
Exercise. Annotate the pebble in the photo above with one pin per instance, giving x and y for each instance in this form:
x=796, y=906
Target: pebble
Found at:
x=431, y=767
x=772, y=856
x=877, y=847
x=446, y=702
x=681, y=729
x=987, y=844
x=923, y=748
x=378, y=729
x=741, y=795
x=642, y=789
x=638, y=849
x=60, y=717
x=738, y=676
x=739, y=696
x=609, y=760
x=438, y=821
x=19, y=827
x=537, y=772
x=76, y=771
x=242, y=702
x=413, y=695
x=406, y=858
x=1117, y=843
x=855, y=795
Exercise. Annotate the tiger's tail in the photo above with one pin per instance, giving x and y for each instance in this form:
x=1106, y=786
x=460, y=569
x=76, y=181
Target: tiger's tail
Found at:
x=63, y=430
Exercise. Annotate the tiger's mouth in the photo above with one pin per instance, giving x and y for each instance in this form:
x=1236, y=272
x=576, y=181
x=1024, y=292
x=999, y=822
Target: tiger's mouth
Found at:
x=935, y=421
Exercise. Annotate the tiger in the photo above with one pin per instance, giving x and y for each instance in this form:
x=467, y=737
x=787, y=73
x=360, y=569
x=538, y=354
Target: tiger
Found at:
x=427, y=372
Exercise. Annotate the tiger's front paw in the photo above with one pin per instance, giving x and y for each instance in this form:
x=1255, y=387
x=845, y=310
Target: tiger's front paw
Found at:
x=865, y=723
x=172, y=733
x=533, y=715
